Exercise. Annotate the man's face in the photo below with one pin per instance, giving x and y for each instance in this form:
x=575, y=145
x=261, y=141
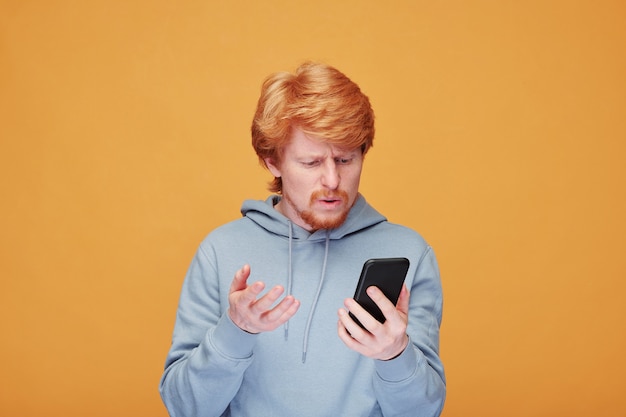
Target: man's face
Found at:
x=320, y=181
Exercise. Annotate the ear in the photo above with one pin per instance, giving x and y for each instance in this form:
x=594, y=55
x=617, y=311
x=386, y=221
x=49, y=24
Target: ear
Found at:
x=273, y=167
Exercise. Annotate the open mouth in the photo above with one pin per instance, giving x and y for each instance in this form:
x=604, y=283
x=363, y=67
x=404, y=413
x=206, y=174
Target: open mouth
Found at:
x=329, y=198
x=329, y=201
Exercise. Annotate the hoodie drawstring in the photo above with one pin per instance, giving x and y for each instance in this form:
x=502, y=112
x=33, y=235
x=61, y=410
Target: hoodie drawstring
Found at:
x=307, y=329
x=289, y=277
x=305, y=342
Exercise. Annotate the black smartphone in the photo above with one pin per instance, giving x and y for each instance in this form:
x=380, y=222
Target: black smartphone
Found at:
x=388, y=275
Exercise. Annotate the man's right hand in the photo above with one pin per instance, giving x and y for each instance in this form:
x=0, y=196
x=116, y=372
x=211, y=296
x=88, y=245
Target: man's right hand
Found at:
x=255, y=315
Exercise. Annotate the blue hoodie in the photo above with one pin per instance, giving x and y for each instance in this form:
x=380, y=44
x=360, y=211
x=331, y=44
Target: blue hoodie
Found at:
x=214, y=368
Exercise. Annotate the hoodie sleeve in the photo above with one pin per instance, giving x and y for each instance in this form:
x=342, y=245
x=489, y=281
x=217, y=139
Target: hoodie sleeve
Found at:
x=209, y=353
x=413, y=384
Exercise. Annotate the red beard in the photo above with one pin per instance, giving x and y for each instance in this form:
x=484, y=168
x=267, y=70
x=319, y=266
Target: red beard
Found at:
x=317, y=222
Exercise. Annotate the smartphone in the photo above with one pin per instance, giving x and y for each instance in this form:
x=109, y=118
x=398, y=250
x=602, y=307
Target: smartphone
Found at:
x=388, y=275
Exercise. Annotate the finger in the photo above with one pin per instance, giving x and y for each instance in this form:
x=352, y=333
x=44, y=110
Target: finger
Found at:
x=271, y=319
x=351, y=327
x=248, y=293
x=363, y=316
x=265, y=303
x=385, y=305
x=283, y=311
x=239, y=281
x=403, y=300
x=350, y=333
x=342, y=327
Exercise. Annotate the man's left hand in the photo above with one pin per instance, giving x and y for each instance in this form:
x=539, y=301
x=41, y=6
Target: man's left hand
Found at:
x=378, y=340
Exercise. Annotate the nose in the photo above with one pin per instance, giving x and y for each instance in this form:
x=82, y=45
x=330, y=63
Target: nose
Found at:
x=330, y=175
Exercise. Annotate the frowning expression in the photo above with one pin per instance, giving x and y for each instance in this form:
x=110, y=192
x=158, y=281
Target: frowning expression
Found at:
x=320, y=181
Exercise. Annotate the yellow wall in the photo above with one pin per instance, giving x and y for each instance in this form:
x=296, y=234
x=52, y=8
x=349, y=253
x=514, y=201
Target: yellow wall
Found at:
x=501, y=137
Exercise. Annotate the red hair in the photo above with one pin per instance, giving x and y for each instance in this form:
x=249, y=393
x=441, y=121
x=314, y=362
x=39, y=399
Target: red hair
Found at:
x=318, y=99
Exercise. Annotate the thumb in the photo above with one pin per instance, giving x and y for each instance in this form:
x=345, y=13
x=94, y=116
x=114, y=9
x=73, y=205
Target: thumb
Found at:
x=403, y=300
x=241, y=276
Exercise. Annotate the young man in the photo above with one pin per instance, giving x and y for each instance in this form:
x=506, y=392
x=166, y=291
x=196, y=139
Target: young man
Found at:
x=296, y=259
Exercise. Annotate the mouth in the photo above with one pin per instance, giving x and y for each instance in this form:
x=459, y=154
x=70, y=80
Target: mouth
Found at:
x=330, y=202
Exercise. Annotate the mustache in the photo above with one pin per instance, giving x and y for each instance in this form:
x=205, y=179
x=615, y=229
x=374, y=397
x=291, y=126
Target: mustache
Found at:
x=325, y=195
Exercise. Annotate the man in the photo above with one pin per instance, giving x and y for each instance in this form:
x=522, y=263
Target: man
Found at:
x=296, y=259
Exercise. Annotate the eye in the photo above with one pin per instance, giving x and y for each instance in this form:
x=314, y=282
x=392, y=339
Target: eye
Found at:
x=343, y=161
x=311, y=164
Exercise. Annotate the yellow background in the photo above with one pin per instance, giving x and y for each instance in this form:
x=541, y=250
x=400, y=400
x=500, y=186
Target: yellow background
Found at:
x=501, y=137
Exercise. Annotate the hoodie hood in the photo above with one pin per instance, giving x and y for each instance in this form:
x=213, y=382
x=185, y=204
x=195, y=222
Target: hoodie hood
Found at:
x=263, y=213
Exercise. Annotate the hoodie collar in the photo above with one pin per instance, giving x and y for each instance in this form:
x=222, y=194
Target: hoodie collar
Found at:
x=263, y=213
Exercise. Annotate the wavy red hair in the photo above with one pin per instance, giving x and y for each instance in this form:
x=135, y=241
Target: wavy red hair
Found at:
x=318, y=99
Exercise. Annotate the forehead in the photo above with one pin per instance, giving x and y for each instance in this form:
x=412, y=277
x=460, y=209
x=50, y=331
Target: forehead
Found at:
x=301, y=143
